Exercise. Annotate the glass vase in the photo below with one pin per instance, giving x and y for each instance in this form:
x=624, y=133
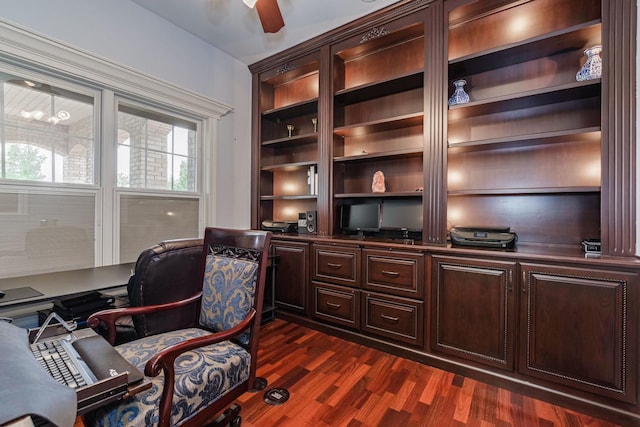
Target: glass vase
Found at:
x=459, y=95
x=592, y=69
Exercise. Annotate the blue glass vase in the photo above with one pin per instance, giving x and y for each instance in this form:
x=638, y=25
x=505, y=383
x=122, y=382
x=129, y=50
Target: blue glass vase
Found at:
x=459, y=95
x=592, y=69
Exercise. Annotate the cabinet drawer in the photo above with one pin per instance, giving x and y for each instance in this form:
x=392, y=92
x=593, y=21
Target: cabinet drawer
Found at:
x=396, y=318
x=337, y=304
x=339, y=265
x=396, y=273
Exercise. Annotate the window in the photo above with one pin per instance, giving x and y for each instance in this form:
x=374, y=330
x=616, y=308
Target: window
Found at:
x=48, y=133
x=157, y=157
x=97, y=161
x=156, y=151
x=48, y=192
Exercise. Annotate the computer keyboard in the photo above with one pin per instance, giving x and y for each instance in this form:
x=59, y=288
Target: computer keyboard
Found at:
x=53, y=356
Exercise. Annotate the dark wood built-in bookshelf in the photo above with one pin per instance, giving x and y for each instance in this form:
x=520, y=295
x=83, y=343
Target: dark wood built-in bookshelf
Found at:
x=534, y=149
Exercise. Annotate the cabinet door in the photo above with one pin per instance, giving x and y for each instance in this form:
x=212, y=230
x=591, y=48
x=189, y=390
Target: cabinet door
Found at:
x=578, y=329
x=291, y=275
x=473, y=305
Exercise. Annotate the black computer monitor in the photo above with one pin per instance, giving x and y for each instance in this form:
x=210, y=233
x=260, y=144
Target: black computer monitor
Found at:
x=402, y=215
x=360, y=217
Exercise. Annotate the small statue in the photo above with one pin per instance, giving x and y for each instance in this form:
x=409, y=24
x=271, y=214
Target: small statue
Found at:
x=377, y=186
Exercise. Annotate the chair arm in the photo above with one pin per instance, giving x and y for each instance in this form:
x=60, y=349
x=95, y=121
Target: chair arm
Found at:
x=108, y=318
x=164, y=360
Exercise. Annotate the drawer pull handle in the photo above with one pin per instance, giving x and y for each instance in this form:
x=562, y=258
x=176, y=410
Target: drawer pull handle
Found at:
x=390, y=318
x=333, y=265
x=333, y=305
x=390, y=273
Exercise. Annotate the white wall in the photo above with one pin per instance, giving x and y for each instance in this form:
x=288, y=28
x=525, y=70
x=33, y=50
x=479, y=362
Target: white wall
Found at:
x=124, y=33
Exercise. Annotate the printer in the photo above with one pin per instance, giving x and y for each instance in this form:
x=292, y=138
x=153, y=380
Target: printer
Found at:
x=483, y=237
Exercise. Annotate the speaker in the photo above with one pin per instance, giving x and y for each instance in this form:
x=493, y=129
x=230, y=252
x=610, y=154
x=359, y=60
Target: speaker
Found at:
x=302, y=223
x=312, y=224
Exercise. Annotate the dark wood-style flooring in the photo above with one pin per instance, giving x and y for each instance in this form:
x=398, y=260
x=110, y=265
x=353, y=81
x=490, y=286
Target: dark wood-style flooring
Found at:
x=333, y=382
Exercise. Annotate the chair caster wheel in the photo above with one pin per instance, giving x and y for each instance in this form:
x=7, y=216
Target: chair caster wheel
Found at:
x=236, y=422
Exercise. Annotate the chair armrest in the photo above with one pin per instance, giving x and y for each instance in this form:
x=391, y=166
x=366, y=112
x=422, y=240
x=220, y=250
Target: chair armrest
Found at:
x=107, y=318
x=164, y=360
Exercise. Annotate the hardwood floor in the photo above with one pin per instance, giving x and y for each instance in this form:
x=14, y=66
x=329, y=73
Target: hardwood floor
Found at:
x=333, y=382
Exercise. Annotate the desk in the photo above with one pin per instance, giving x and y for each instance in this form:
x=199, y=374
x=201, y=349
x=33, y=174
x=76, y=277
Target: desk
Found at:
x=112, y=278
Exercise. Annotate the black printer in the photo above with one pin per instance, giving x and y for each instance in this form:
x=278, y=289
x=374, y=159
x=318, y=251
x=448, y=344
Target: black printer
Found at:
x=483, y=237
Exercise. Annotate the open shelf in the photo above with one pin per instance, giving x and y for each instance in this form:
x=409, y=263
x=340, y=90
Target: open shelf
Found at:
x=528, y=99
x=377, y=89
x=386, y=154
x=294, y=197
x=517, y=191
x=516, y=141
x=385, y=195
x=307, y=138
x=287, y=165
x=293, y=110
x=573, y=38
x=398, y=122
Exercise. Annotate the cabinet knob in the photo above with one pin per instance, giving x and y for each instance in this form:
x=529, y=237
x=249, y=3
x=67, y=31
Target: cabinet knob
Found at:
x=333, y=305
x=334, y=265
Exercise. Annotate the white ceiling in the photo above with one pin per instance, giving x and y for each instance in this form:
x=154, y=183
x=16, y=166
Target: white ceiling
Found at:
x=235, y=29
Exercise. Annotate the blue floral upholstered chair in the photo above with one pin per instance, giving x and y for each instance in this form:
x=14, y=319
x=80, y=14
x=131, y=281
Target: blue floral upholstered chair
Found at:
x=197, y=372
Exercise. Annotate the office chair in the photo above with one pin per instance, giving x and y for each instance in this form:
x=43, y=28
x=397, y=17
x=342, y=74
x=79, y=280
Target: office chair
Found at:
x=166, y=272
x=197, y=372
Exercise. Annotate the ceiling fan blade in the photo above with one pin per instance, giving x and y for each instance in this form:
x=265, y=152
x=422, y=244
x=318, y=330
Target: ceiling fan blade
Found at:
x=270, y=16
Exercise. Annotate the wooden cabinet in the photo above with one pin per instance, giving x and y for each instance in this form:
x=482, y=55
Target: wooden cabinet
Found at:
x=579, y=329
x=335, y=280
x=526, y=150
x=398, y=319
x=336, y=264
x=534, y=149
x=473, y=307
x=337, y=304
x=393, y=295
x=378, y=112
x=292, y=275
x=288, y=139
x=394, y=272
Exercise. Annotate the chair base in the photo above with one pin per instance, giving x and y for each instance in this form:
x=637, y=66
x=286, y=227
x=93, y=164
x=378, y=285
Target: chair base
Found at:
x=231, y=417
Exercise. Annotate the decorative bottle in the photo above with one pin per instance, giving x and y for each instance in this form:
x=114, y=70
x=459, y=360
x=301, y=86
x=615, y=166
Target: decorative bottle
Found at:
x=459, y=95
x=592, y=69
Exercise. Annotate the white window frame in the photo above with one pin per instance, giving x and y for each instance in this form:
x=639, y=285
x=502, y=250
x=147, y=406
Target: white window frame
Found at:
x=30, y=50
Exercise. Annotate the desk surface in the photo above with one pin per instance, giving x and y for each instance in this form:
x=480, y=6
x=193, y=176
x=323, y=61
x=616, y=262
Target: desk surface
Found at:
x=53, y=285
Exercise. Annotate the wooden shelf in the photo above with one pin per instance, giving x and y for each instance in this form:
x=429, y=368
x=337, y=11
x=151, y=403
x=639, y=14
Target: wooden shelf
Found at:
x=293, y=110
x=377, y=89
x=398, y=122
x=573, y=38
x=386, y=154
x=527, y=99
x=307, y=138
x=287, y=165
x=526, y=140
x=297, y=197
x=386, y=195
x=523, y=191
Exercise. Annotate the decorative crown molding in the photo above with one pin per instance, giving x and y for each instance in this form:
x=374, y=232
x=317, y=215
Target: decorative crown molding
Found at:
x=21, y=46
x=374, y=34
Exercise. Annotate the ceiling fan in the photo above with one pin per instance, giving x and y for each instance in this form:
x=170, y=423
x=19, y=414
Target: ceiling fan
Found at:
x=269, y=14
